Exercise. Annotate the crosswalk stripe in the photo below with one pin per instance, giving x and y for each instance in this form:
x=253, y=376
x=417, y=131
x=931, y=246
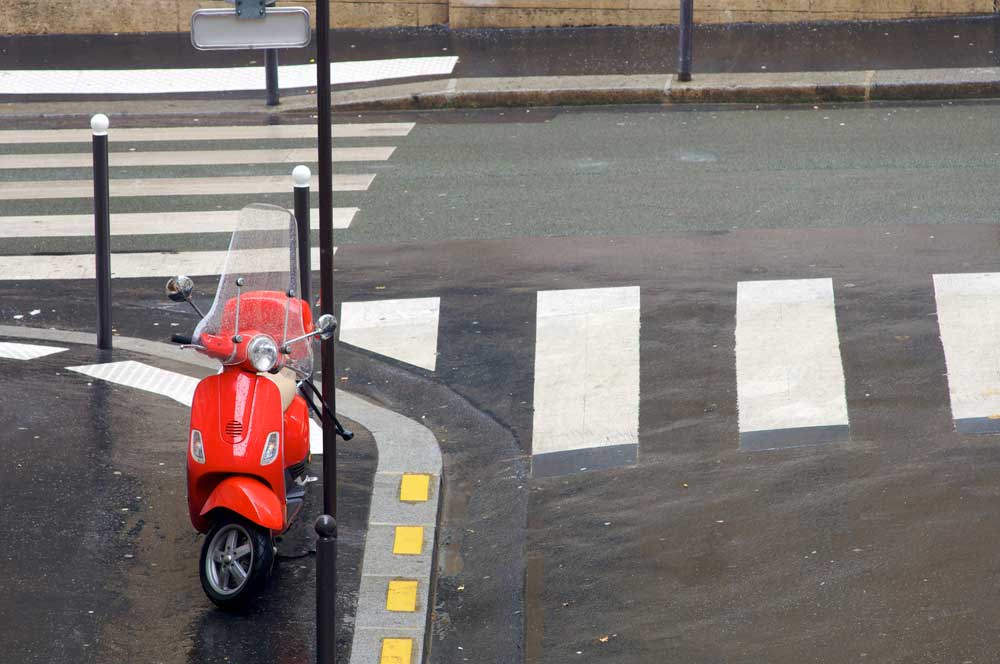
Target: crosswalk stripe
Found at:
x=968, y=313
x=212, y=79
x=144, y=223
x=405, y=330
x=16, y=351
x=139, y=375
x=789, y=373
x=262, y=132
x=177, y=386
x=586, y=380
x=136, y=265
x=264, y=184
x=192, y=158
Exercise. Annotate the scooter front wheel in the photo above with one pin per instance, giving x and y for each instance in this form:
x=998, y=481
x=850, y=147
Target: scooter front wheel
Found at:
x=236, y=560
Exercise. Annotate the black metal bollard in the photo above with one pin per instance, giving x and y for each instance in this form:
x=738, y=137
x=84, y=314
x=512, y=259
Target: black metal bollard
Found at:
x=301, y=176
x=271, y=76
x=686, y=47
x=326, y=588
x=102, y=229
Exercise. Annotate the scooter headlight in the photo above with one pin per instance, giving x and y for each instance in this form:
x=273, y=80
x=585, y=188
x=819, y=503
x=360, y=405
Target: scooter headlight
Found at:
x=197, y=447
x=270, y=448
x=263, y=353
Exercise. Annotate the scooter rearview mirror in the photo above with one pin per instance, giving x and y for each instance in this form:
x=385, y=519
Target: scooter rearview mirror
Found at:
x=326, y=325
x=179, y=288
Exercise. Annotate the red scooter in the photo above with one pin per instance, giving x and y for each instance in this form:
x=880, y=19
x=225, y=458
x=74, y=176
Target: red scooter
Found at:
x=248, y=443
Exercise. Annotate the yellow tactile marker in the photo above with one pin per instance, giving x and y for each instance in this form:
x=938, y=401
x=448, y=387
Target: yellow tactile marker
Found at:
x=415, y=488
x=401, y=595
x=409, y=541
x=396, y=651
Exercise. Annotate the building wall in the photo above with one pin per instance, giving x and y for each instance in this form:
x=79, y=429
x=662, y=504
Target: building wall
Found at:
x=123, y=16
x=520, y=13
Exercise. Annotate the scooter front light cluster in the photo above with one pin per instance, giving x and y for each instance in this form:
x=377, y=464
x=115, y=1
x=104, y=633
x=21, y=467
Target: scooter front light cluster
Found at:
x=263, y=353
x=270, y=448
x=197, y=447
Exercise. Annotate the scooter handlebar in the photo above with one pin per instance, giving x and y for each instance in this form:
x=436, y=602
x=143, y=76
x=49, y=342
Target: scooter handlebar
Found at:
x=182, y=339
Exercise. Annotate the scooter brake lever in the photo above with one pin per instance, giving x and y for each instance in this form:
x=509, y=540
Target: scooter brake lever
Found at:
x=195, y=346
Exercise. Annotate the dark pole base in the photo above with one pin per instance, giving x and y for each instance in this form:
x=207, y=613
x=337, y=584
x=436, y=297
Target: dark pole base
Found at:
x=685, y=47
x=326, y=589
x=271, y=74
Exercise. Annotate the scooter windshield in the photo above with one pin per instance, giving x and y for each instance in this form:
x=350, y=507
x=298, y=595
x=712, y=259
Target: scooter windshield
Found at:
x=259, y=291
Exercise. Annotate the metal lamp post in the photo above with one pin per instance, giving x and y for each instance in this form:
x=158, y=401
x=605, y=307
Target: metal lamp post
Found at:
x=326, y=525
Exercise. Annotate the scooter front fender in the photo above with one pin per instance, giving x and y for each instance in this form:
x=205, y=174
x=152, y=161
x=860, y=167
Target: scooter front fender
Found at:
x=250, y=498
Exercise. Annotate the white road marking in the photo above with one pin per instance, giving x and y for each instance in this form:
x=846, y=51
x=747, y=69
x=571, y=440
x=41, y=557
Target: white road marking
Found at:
x=789, y=373
x=144, y=223
x=586, y=369
x=968, y=313
x=252, y=132
x=219, y=79
x=192, y=157
x=15, y=351
x=137, y=265
x=176, y=386
x=405, y=330
x=212, y=186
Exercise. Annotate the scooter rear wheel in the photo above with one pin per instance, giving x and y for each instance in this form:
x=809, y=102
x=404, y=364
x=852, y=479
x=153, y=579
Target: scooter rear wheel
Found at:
x=235, y=562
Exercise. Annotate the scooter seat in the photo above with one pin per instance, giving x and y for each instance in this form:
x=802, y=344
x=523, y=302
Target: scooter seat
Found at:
x=285, y=380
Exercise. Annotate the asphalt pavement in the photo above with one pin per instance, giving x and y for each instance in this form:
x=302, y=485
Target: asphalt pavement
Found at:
x=101, y=561
x=875, y=548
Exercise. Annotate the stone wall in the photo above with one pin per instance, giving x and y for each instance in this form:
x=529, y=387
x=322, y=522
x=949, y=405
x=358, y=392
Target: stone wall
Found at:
x=520, y=13
x=123, y=16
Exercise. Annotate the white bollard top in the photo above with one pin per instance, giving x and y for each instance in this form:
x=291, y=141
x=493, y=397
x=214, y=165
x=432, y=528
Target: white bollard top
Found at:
x=99, y=124
x=301, y=175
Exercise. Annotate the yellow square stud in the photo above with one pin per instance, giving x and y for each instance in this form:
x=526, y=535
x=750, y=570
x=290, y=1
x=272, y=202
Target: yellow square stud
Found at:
x=409, y=541
x=396, y=651
x=415, y=488
x=401, y=596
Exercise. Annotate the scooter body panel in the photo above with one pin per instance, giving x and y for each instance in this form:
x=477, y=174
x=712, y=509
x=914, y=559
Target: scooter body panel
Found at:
x=235, y=411
x=248, y=497
x=296, y=442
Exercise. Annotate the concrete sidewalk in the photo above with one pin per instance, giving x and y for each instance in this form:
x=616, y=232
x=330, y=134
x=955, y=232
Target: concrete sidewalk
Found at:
x=767, y=88
x=744, y=63
x=454, y=93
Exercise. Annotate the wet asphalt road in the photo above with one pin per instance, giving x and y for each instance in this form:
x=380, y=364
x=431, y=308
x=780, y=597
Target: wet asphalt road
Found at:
x=881, y=549
x=613, y=171
x=100, y=562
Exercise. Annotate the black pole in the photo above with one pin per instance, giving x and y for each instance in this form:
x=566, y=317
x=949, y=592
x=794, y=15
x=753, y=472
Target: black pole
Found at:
x=326, y=582
x=271, y=74
x=686, y=48
x=102, y=230
x=326, y=579
x=301, y=175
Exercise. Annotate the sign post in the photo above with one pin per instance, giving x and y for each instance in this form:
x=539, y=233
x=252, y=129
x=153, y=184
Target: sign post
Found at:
x=326, y=525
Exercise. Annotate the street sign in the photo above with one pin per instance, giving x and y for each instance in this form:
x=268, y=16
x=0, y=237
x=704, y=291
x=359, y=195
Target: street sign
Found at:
x=222, y=29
